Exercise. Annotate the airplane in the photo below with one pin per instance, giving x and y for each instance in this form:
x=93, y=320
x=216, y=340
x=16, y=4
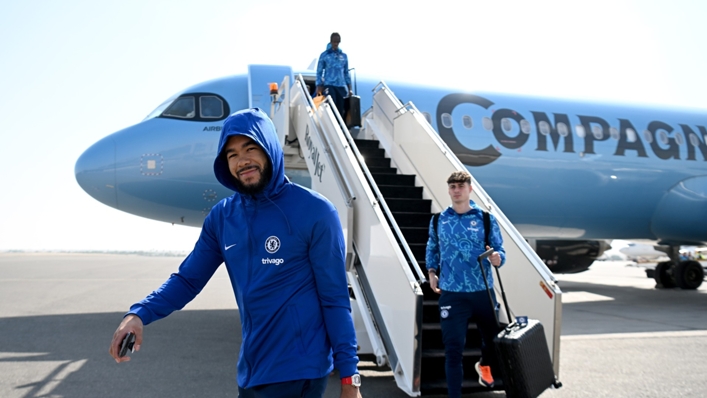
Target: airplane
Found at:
x=570, y=175
x=643, y=251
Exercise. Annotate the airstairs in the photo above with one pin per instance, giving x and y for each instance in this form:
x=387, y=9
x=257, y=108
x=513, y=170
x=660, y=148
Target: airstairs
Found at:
x=386, y=183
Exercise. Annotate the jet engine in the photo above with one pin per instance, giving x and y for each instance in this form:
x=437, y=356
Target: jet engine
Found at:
x=570, y=256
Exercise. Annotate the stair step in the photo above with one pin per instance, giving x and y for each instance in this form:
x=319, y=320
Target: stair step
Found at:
x=409, y=205
x=377, y=162
x=412, y=219
x=382, y=170
x=415, y=234
x=367, y=152
x=393, y=191
x=435, y=326
x=439, y=353
x=367, y=143
x=419, y=250
x=394, y=179
x=469, y=385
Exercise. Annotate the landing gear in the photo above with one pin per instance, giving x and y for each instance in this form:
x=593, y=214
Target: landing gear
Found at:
x=663, y=275
x=688, y=274
x=683, y=274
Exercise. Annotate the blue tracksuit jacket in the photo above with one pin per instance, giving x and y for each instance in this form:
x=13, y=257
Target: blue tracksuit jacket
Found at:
x=284, y=251
x=333, y=68
x=459, y=241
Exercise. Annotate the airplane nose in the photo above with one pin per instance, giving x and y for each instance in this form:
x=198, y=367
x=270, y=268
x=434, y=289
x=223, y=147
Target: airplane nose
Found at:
x=95, y=172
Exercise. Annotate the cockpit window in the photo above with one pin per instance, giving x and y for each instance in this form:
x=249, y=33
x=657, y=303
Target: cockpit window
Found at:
x=183, y=108
x=211, y=107
x=158, y=111
x=198, y=107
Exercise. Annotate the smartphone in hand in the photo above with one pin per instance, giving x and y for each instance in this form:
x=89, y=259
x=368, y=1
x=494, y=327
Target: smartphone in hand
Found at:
x=127, y=344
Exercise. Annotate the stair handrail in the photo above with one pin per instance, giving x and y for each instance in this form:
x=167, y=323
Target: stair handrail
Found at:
x=409, y=381
x=344, y=183
x=378, y=195
x=391, y=353
x=381, y=83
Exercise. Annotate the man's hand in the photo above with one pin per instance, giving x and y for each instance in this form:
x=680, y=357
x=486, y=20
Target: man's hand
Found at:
x=350, y=93
x=434, y=280
x=320, y=89
x=131, y=323
x=349, y=391
x=494, y=258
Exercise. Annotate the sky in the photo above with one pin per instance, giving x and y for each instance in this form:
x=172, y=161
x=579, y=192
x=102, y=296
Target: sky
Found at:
x=72, y=72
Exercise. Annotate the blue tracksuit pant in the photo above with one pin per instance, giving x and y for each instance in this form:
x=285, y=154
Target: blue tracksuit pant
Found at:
x=456, y=310
x=313, y=388
x=337, y=95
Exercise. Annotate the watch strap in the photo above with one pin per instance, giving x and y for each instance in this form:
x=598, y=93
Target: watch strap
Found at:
x=354, y=380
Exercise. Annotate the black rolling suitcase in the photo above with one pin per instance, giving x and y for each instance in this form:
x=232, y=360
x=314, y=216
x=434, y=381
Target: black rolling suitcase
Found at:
x=352, y=104
x=523, y=355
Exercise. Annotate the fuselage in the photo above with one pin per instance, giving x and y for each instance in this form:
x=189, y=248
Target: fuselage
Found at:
x=558, y=169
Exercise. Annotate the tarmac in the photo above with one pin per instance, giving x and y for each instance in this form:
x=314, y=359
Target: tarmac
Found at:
x=621, y=337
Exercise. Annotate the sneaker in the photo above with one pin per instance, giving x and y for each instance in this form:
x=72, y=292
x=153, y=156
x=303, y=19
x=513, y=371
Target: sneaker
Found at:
x=485, y=378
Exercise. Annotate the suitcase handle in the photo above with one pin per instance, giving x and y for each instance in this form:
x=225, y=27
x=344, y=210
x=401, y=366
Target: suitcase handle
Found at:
x=481, y=259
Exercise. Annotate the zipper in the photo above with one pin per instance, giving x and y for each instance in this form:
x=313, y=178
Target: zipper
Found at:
x=249, y=264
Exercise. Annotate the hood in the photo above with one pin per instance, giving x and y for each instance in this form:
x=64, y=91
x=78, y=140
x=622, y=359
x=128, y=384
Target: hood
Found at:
x=328, y=48
x=256, y=125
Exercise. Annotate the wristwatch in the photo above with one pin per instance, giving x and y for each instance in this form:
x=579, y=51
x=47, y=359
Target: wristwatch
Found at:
x=354, y=380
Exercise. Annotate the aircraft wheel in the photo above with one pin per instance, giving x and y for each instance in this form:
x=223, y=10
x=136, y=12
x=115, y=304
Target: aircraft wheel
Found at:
x=650, y=273
x=662, y=275
x=688, y=275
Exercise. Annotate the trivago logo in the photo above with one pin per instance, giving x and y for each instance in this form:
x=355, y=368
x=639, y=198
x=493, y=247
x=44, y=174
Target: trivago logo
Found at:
x=276, y=261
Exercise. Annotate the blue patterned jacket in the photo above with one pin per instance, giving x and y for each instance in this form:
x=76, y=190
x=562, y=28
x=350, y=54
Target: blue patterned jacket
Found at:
x=457, y=244
x=333, y=68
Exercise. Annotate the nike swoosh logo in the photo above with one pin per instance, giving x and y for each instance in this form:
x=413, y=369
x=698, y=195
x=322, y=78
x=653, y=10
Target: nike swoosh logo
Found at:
x=228, y=247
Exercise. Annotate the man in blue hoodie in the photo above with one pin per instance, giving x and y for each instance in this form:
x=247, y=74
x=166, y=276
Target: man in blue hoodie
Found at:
x=284, y=252
x=333, y=76
x=452, y=249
